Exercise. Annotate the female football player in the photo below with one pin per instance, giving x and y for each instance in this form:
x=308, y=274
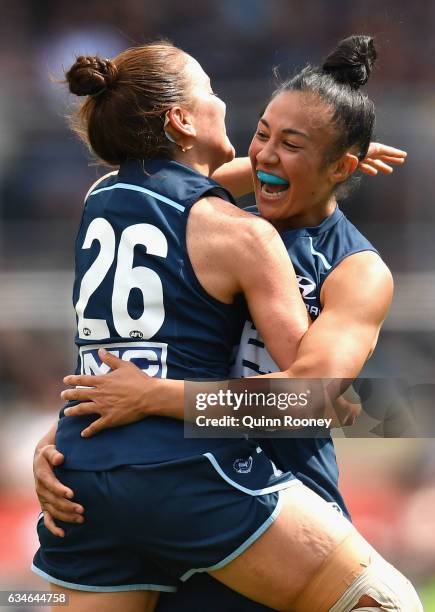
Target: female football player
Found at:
x=310, y=557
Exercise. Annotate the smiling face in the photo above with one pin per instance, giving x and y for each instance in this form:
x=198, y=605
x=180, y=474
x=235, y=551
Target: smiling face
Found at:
x=292, y=140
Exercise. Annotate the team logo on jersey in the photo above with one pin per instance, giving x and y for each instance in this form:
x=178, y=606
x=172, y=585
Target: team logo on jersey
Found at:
x=306, y=286
x=243, y=466
x=86, y=331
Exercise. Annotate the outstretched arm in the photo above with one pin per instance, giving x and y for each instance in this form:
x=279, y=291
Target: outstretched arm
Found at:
x=236, y=176
x=336, y=346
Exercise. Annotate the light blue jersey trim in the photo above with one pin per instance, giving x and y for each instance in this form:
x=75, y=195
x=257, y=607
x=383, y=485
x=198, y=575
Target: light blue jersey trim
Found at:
x=153, y=194
x=319, y=255
x=103, y=589
x=267, y=523
x=253, y=492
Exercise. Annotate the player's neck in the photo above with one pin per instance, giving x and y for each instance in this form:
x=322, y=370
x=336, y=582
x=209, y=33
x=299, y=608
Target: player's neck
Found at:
x=189, y=158
x=311, y=217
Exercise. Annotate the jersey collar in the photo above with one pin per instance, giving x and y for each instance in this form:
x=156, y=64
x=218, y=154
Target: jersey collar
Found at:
x=326, y=225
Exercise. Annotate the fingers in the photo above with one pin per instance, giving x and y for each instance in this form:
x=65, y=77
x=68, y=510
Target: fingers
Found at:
x=77, y=394
x=66, y=517
x=109, y=359
x=379, y=165
x=45, y=476
x=397, y=161
x=59, y=504
x=46, y=480
x=373, y=166
x=367, y=169
x=378, y=149
x=86, y=380
x=95, y=427
x=51, y=525
x=82, y=380
x=81, y=409
x=53, y=456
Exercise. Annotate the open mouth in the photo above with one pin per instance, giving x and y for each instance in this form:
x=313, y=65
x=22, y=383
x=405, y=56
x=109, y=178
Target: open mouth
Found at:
x=272, y=186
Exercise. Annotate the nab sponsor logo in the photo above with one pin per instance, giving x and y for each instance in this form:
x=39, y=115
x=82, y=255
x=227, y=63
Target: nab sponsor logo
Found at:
x=147, y=356
x=306, y=286
x=243, y=466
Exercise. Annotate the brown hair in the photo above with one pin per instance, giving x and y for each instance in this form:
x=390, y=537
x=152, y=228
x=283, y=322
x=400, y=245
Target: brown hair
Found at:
x=128, y=96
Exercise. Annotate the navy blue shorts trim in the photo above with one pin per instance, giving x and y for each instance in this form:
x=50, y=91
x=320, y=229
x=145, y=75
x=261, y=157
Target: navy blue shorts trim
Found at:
x=102, y=589
x=149, y=526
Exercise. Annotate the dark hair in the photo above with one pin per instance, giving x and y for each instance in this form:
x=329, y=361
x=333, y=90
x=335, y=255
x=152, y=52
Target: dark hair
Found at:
x=336, y=83
x=128, y=96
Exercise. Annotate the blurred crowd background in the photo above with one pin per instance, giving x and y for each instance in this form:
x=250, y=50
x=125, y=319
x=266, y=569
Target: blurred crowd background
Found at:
x=45, y=171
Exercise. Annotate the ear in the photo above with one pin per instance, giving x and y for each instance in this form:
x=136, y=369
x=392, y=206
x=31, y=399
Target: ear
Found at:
x=179, y=123
x=344, y=167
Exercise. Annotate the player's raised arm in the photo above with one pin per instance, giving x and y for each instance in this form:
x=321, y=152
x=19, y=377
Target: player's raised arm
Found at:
x=381, y=158
x=236, y=176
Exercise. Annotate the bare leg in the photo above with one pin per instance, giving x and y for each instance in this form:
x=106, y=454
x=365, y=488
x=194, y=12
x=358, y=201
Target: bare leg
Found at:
x=312, y=558
x=278, y=566
x=127, y=601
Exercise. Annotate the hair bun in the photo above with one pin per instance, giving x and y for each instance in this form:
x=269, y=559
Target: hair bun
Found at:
x=352, y=61
x=90, y=75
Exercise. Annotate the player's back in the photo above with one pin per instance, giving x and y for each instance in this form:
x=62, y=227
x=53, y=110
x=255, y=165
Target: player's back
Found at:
x=136, y=294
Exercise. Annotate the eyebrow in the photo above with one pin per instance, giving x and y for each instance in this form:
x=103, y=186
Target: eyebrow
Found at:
x=286, y=130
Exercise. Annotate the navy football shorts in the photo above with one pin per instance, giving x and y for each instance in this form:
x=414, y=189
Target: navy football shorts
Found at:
x=150, y=526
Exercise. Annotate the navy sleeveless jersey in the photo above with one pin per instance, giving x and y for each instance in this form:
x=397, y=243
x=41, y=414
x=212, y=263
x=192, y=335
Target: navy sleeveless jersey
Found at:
x=136, y=294
x=315, y=253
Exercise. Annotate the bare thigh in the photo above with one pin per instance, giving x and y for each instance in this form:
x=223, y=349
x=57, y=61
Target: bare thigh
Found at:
x=128, y=601
x=280, y=564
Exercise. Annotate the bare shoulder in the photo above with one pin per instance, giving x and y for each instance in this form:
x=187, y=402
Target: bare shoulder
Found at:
x=366, y=267
x=227, y=246
x=362, y=279
x=216, y=215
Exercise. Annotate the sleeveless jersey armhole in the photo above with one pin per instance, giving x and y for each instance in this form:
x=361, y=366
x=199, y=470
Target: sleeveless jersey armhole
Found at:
x=345, y=256
x=217, y=192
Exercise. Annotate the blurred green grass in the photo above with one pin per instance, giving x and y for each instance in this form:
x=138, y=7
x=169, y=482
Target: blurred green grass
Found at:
x=427, y=594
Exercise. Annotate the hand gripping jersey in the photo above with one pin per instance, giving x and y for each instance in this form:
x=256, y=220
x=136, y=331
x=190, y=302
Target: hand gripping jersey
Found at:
x=136, y=294
x=315, y=253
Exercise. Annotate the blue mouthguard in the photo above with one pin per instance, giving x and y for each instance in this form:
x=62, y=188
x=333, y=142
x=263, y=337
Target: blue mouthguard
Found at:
x=265, y=177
